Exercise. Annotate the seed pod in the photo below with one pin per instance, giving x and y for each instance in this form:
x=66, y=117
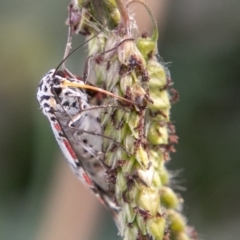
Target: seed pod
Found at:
x=138, y=134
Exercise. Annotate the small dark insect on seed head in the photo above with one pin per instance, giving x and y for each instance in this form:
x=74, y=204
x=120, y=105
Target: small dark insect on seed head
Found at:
x=144, y=35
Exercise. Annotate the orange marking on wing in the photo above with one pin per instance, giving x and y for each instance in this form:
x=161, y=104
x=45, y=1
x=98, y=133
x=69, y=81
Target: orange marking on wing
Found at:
x=57, y=127
x=87, y=179
x=69, y=148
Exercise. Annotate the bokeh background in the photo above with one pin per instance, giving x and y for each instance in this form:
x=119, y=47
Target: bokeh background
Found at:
x=40, y=199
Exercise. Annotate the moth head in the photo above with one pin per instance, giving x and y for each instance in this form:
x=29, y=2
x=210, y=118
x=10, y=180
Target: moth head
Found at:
x=49, y=86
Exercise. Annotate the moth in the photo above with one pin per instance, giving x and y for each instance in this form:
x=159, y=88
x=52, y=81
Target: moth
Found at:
x=77, y=126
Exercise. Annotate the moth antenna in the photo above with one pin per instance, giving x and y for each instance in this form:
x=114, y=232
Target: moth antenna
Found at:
x=66, y=57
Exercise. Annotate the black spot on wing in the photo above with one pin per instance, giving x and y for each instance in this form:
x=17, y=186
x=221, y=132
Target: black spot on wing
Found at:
x=61, y=134
x=74, y=104
x=44, y=97
x=53, y=118
x=65, y=104
x=46, y=105
x=78, y=164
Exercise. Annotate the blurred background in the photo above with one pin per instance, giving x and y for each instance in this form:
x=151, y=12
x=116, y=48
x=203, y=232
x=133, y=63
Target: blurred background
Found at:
x=40, y=199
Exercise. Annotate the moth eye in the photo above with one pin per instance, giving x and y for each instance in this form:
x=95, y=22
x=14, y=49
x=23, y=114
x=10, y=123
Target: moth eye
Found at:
x=56, y=81
x=56, y=91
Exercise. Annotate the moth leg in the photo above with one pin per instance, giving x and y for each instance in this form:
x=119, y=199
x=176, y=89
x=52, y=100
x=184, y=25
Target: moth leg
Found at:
x=69, y=73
